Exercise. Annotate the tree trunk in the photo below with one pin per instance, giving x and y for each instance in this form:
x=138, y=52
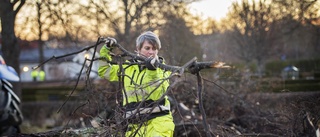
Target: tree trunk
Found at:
x=10, y=47
x=40, y=42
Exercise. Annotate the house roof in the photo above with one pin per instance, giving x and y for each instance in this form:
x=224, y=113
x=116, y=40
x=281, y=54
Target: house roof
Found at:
x=30, y=51
x=32, y=55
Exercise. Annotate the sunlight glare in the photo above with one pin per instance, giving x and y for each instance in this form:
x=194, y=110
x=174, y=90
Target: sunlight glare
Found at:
x=211, y=8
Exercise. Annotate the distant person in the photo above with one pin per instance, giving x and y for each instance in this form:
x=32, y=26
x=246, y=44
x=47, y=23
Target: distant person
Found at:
x=42, y=75
x=34, y=74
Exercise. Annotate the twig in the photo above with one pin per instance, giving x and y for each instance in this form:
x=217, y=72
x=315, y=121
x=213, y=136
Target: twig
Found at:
x=83, y=65
x=66, y=55
x=74, y=88
x=200, y=89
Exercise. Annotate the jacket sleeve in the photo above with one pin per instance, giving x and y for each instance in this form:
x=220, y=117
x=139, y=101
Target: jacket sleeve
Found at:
x=106, y=70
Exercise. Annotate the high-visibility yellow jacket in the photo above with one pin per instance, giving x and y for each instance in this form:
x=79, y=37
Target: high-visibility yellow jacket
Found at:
x=139, y=82
x=42, y=75
x=34, y=73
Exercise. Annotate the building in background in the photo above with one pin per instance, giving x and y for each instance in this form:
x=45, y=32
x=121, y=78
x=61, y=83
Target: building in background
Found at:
x=67, y=68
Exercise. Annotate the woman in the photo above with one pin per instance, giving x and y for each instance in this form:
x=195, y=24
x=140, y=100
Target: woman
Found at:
x=144, y=86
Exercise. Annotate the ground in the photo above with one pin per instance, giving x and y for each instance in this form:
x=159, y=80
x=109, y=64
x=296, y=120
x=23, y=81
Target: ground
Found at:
x=228, y=113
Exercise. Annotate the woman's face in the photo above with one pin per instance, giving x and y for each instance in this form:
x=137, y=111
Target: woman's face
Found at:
x=148, y=50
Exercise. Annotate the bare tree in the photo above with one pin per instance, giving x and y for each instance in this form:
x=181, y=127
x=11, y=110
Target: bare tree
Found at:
x=126, y=19
x=201, y=26
x=179, y=43
x=40, y=32
x=301, y=29
x=87, y=20
x=310, y=12
x=255, y=31
x=10, y=47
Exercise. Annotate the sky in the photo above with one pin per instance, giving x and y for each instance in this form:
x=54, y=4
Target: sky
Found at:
x=211, y=8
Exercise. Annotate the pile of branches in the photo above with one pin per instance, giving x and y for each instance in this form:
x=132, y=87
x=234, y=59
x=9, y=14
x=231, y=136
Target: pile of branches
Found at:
x=201, y=107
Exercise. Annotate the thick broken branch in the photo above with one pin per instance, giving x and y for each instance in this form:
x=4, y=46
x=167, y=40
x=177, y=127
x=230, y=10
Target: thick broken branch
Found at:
x=192, y=66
